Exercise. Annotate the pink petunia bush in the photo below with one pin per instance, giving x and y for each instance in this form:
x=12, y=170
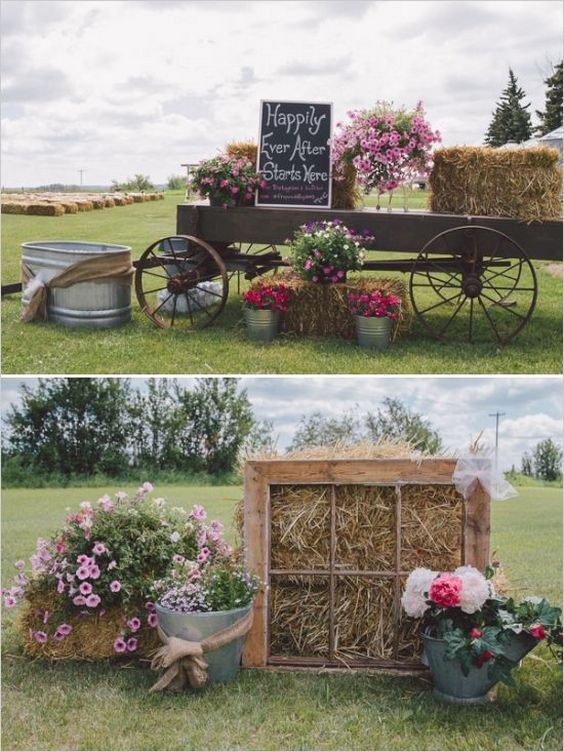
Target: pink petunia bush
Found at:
x=107, y=556
x=387, y=146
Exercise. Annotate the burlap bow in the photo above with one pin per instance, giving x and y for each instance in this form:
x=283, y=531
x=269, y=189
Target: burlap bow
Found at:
x=115, y=265
x=183, y=660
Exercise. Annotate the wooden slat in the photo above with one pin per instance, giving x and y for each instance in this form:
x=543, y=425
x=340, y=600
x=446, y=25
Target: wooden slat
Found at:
x=284, y=660
x=393, y=231
x=332, y=552
x=255, y=535
x=387, y=472
x=477, y=529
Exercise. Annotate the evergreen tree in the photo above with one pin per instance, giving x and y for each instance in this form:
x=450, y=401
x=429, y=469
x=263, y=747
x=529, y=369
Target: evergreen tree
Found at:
x=551, y=118
x=511, y=121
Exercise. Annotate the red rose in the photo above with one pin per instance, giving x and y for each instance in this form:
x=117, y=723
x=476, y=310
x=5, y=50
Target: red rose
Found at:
x=537, y=631
x=445, y=590
x=475, y=633
x=484, y=657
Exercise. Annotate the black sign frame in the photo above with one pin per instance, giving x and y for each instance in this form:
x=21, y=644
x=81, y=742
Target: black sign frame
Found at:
x=324, y=200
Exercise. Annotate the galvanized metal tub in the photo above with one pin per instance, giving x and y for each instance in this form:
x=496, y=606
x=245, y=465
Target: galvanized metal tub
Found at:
x=223, y=664
x=97, y=304
x=374, y=332
x=450, y=684
x=262, y=325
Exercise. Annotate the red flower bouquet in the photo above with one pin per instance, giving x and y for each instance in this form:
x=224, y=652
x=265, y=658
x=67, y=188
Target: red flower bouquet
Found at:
x=266, y=297
x=373, y=304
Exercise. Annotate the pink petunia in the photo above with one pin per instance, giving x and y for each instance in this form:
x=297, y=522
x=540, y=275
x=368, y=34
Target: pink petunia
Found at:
x=115, y=586
x=94, y=571
x=198, y=512
x=40, y=637
x=85, y=588
x=148, y=487
x=99, y=549
x=93, y=600
x=83, y=560
x=19, y=564
x=132, y=644
x=134, y=624
x=79, y=600
x=150, y=606
x=152, y=620
x=83, y=573
x=60, y=586
x=120, y=645
x=64, y=629
x=60, y=548
x=203, y=555
x=9, y=601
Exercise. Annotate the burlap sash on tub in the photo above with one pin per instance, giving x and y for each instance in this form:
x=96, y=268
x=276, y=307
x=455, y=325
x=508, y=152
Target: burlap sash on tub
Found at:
x=115, y=265
x=184, y=660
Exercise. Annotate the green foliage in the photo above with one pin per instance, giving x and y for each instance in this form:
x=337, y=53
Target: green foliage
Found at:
x=547, y=460
x=511, y=121
x=317, y=429
x=551, y=118
x=137, y=183
x=175, y=182
x=396, y=421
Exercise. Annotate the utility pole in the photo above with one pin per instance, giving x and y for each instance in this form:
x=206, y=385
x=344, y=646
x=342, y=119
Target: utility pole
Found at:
x=81, y=173
x=497, y=416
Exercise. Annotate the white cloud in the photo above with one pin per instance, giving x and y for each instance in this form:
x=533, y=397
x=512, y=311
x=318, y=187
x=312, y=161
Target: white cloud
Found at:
x=138, y=86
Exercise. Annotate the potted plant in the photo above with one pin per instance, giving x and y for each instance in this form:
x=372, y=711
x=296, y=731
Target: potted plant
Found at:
x=203, y=596
x=386, y=146
x=374, y=313
x=226, y=181
x=469, y=633
x=89, y=593
x=262, y=305
x=325, y=251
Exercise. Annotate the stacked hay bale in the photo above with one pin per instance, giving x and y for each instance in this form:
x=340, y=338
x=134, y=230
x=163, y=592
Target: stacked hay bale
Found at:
x=346, y=194
x=525, y=184
x=322, y=309
x=45, y=209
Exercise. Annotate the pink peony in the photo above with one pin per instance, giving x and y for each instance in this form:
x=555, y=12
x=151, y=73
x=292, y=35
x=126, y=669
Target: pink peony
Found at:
x=445, y=590
x=115, y=586
x=120, y=645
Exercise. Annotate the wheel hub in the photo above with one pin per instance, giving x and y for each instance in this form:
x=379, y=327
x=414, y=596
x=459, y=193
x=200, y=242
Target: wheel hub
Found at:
x=472, y=286
x=182, y=282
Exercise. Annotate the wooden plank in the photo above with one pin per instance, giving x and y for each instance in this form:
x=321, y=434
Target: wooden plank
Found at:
x=314, y=662
x=477, y=529
x=397, y=232
x=255, y=536
x=356, y=471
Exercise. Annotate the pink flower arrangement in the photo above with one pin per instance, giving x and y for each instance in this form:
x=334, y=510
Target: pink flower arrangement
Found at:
x=229, y=181
x=262, y=296
x=376, y=304
x=445, y=591
x=386, y=146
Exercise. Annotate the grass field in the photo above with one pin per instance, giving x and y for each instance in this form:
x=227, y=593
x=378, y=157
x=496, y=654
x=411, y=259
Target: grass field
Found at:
x=139, y=347
x=87, y=707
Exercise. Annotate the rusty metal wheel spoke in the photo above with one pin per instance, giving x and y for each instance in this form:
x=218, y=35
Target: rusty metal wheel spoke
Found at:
x=195, y=283
x=493, y=275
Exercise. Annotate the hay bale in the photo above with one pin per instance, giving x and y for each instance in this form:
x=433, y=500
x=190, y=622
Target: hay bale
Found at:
x=119, y=201
x=322, y=309
x=129, y=200
x=346, y=194
x=365, y=523
x=300, y=526
x=299, y=616
x=243, y=150
x=138, y=198
x=70, y=207
x=91, y=639
x=98, y=203
x=525, y=184
x=84, y=206
x=45, y=209
x=109, y=203
x=14, y=207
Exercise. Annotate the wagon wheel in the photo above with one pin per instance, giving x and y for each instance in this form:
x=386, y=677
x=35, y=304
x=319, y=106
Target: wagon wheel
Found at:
x=251, y=249
x=181, y=280
x=473, y=283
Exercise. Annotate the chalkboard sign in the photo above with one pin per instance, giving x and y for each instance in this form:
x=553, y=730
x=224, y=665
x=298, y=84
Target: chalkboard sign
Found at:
x=293, y=154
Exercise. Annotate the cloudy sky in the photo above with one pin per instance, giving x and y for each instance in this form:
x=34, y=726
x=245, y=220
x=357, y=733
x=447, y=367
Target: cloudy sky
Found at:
x=118, y=87
x=458, y=407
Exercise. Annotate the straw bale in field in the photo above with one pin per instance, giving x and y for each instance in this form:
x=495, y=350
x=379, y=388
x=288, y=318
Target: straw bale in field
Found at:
x=45, y=209
x=346, y=194
x=432, y=518
x=92, y=637
x=84, y=206
x=299, y=616
x=98, y=203
x=119, y=201
x=14, y=207
x=322, y=309
x=525, y=184
x=300, y=526
x=109, y=203
x=138, y=198
x=70, y=207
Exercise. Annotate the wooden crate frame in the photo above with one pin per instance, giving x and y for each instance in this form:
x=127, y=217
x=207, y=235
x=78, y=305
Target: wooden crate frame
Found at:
x=260, y=475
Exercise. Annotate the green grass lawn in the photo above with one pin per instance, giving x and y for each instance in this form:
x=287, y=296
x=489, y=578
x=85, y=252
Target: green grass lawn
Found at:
x=100, y=706
x=140, y=348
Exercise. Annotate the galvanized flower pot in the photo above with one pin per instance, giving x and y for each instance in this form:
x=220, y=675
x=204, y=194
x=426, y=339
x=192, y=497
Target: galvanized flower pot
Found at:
x=450, y=683
x=373, y=332
x=223, y=664
x=262, y=325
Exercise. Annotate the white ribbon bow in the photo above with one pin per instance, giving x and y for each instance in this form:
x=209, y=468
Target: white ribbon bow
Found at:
x=474, y=469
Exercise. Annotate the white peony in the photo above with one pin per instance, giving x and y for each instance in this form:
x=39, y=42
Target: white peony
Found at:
x=475, y=589
x=416, y=588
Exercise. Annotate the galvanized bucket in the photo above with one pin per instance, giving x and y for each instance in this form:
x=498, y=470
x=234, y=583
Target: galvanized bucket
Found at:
x=450, y=683
x=97, y=304
x=519, y=645
x=223, y=664
x=262, y=326
x=374, y=332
